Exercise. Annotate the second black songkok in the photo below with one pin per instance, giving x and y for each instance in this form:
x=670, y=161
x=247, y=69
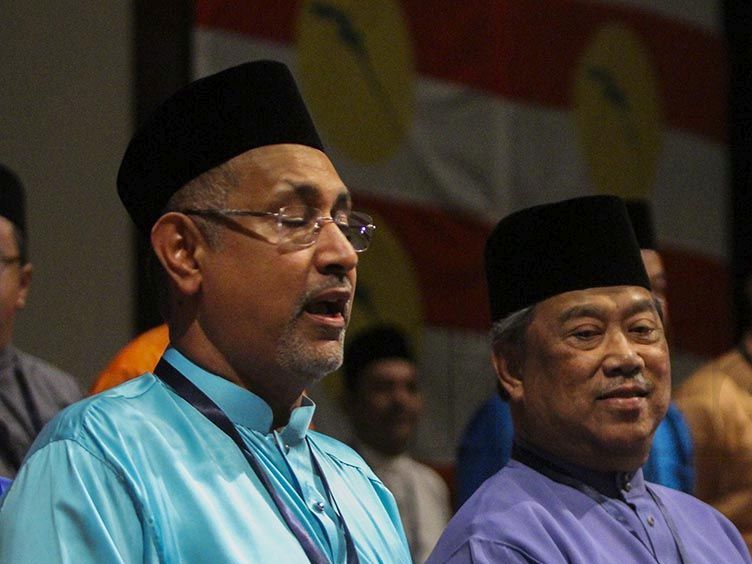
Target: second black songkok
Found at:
x=12, y=200
x=542, y=251
x=205, y=124
x=642, y=222
x=377, y=343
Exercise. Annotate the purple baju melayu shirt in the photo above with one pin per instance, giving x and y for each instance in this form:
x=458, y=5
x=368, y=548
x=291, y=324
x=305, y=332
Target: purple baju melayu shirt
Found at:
x=526, y=515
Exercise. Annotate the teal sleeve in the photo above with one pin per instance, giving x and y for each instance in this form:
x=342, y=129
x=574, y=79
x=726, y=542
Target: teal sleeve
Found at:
x=67, y=506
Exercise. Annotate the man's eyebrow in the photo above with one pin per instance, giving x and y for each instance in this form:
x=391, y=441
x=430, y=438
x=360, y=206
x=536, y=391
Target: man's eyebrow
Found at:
x=640, y=306
x=580, y=311
x=311, y=193
x=344, y=200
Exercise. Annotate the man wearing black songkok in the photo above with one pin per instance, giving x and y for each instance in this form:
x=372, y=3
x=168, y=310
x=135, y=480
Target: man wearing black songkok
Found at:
x=383, y=400
x=31, y=390
x=210, y=458
x=579, y=348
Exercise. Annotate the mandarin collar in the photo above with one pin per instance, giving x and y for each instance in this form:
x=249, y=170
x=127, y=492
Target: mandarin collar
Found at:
x=242, y=406
x=611, y=484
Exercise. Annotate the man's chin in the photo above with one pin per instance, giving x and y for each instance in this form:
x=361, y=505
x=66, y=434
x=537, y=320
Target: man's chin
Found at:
x=313, y=357
x=632, y=450
x=327, y=357
x=316, y=367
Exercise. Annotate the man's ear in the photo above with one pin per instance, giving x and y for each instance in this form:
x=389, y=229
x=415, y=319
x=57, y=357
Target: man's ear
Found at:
x=509, y=374
x=179, y=245
x=24, y=282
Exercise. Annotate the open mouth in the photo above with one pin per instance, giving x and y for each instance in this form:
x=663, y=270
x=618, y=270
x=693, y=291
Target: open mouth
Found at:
x=327, y=308
x=625, y=393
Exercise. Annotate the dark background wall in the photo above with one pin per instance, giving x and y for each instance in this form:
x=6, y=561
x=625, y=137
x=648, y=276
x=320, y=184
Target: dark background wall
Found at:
x=737, y=25
x=66, y=74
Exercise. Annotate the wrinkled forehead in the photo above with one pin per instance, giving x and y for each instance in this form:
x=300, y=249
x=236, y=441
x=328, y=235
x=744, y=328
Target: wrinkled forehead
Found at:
x=289, y=173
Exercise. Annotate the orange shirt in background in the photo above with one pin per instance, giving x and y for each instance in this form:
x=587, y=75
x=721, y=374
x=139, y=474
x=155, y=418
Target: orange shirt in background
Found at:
x=137, y=357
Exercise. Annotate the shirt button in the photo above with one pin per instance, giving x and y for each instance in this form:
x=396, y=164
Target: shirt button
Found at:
x=287, y=448
x=628, y=487
x=651, y=520
x=319, y=506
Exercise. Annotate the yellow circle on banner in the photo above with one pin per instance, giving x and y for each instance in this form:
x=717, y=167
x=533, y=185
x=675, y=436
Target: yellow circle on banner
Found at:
x=356, y=72
x=618, y=113
x=387, y=292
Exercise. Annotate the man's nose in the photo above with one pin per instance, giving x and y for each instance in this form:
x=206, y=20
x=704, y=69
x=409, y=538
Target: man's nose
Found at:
x=403, y=395
x=333, y=251
x=622, y=358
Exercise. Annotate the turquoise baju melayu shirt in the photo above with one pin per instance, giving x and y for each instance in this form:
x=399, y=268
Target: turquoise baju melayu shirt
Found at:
x=136, y=474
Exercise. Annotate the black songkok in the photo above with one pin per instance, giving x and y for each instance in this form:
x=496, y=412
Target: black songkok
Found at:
x=12, y=200
x=379, y=342
x=205, y=124
x=641, y=217
x=546, y=250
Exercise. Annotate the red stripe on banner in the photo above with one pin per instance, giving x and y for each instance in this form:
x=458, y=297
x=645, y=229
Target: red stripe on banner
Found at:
x=274, y=21
x=447, y=251
x=527, y=50
x=700, y=320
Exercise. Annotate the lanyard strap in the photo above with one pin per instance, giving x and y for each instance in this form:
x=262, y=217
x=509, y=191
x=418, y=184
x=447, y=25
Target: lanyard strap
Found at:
x=528, y=458
x=202, y=403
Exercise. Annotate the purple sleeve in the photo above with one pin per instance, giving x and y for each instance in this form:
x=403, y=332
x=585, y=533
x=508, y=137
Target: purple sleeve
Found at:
x=477, y=551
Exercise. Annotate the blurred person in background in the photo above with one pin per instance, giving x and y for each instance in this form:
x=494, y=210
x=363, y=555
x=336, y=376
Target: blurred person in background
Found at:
x=32, y=391
x=717, y=403
x=384, y=402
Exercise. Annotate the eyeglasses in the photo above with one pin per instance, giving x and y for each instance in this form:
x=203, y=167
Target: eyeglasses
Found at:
x=299, y=226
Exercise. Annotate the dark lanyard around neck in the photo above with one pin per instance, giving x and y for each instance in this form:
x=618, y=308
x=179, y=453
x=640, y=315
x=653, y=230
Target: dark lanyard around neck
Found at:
x=202, y=403
x=557, y=474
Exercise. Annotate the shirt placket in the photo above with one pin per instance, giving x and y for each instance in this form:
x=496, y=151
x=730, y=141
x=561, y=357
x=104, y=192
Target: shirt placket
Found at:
x=297, y=457
x=650, y=525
